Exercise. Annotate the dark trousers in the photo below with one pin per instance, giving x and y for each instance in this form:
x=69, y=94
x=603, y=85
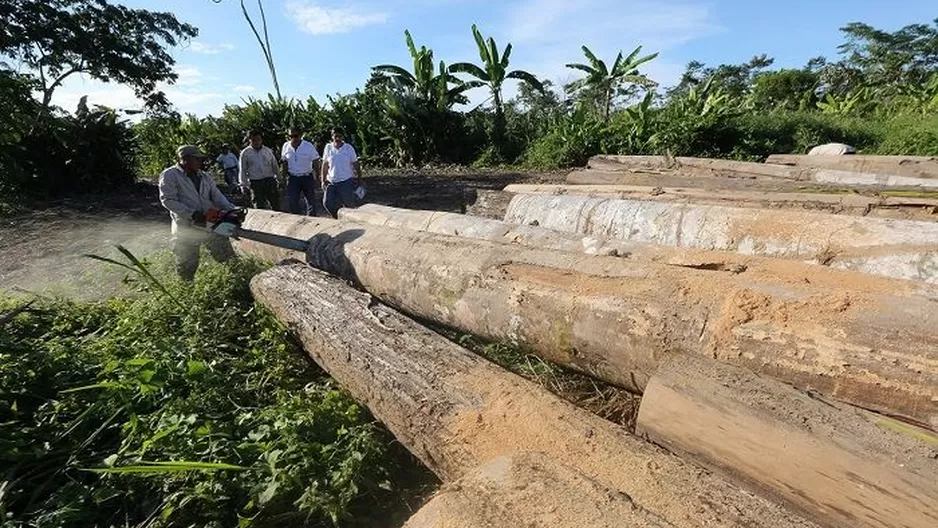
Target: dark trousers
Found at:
x=339, y=195
x=264, y=194
x=186, y=245
x=231, y=178
x=302, y=187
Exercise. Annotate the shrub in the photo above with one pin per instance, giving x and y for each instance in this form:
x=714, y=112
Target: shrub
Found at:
x=203, y=376
x=911, y=135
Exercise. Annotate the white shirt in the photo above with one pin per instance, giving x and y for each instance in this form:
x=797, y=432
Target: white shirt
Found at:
x=340, y=162
x=300, y=159
x=227, y=160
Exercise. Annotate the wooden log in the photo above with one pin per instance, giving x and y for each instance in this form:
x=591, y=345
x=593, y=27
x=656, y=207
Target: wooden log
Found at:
x=626, y=166
x=866, y=340
x=911, y=166
x=838, y=203
x=903, y=249
x=456, y=411
x=488, y=204
x=832, y=462
x=444, y=223
x=534, y=491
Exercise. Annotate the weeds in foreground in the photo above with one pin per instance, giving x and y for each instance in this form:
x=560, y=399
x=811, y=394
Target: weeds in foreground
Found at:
x=184, y=407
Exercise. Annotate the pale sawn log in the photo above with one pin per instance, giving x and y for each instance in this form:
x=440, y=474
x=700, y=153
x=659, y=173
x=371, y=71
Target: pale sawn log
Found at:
x=912, y=166
x=866, y=340
x=841, y=466
x=533, y=491
x=456, y=411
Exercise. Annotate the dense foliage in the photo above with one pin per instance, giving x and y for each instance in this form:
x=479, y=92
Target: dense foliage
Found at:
x=196, y=375
x=881, y=97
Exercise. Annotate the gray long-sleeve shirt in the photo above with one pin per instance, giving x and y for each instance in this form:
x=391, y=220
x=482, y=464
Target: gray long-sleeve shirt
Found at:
x=257, y=164
x=181, y=198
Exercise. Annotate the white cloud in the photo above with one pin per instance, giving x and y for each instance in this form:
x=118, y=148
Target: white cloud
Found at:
x=187, y=95
x=210, y=49
x=243, y=88
x=316, y=19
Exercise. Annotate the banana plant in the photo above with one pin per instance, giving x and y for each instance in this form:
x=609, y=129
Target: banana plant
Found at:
x=606, y=80
x=851, y=103
x=425, y=82
x=492, y=73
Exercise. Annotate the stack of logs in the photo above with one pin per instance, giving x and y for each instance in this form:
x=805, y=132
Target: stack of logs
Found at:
x=788, y=357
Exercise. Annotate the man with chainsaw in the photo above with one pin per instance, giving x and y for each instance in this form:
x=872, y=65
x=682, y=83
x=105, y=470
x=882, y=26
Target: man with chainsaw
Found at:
x=193, y=201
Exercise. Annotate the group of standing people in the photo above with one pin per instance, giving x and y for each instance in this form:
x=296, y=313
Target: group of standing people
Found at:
x=337, y=173
x=190, y=194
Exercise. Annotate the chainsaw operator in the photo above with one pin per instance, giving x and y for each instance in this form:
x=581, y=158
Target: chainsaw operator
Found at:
x=193, y=199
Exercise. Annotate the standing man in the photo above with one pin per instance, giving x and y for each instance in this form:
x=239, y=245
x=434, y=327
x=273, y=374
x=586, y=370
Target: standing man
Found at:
x=302, y=162
x=341, y=174
x=189, y=194
x=259, y=174
x=229, y=163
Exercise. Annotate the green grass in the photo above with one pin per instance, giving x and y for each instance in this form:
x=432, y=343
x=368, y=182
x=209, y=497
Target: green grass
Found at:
x=185, y=407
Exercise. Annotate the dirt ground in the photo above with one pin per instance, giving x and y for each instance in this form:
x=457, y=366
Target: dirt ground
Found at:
x=43, y=251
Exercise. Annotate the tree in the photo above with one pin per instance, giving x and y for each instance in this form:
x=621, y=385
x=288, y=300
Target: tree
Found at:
x=735, y=79
x=426, y=83
x=607, y=81
x=493, y=73
x=59, y=38
x=787, y=89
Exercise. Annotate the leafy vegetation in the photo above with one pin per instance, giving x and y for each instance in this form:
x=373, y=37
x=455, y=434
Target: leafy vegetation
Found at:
x=184, y=407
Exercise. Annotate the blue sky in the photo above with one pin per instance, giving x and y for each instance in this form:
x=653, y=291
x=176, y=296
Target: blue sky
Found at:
x=326, y=47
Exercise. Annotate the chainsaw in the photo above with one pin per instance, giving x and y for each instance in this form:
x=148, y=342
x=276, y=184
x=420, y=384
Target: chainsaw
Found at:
x=228, y=223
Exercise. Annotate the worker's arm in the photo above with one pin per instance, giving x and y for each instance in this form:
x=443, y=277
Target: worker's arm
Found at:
x=169, y=195
x=243, y=170
x=273, y=163
x=357, y=167
x=324, y=173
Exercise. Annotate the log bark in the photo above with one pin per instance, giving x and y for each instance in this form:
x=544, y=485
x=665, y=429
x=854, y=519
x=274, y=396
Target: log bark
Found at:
x=534, y=491
x=720, y=168
x=866, y=340
x=911, y=166
x=456, y=411
x=488, y=204
x=876, y=206
x=836, y=464
x=903, y=249
x=444, y=223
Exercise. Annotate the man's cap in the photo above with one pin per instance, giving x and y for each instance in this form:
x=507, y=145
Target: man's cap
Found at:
x=294, y=131
x=186, y=151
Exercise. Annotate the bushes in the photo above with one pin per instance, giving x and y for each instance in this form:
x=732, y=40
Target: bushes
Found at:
x=210, y=378
x=47, y=154
x=911, y=135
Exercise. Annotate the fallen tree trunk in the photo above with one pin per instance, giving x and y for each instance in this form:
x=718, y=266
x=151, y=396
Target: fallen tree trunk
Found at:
x=456, y=411
x=840, y=203
x=911, y=166
x=533, y=491
x=866, y=340
x=696, y=179
x=725, y=169
x=902, y=249
x=835, y=464
x=444, y=223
